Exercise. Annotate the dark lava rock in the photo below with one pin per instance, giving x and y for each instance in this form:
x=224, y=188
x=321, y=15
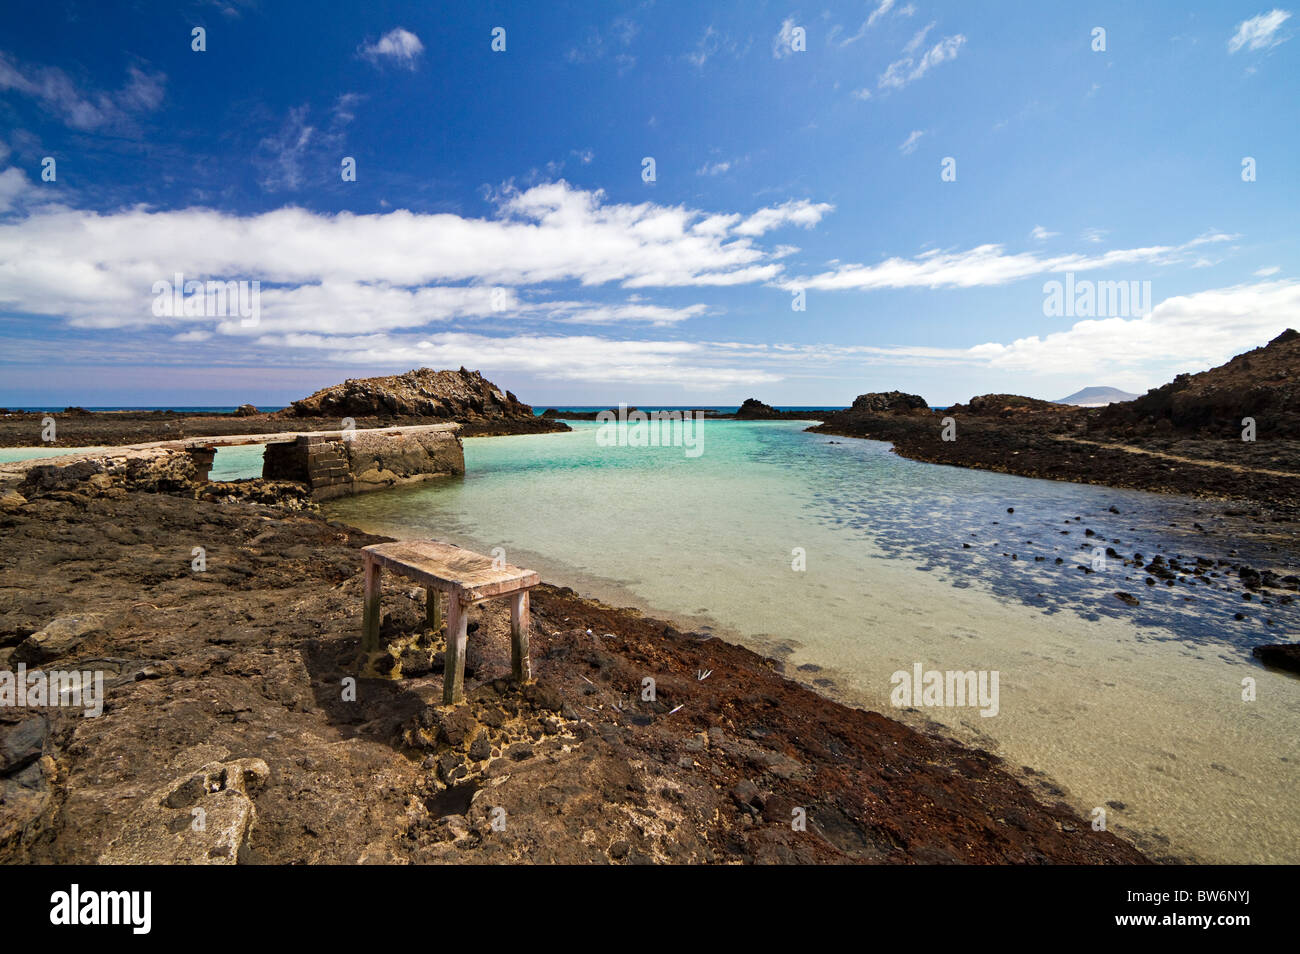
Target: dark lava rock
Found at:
x=519, y=751
x=746, y=795
x=755, y=410
x=1128, y=598
x=1283, y=656
x=22, y=744
x=454, y=726
x=878, y=401
x=461, y=395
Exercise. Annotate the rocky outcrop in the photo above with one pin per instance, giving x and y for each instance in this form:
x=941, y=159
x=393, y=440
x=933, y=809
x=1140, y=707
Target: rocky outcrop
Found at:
x=1263, y=384
x=755, y=410
x=878, y=402
x=877, y=414
x=1007, y=405
x=449, y=395
x=60, y=636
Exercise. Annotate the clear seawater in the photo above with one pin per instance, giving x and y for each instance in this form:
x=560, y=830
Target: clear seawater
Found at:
x=1137, y=707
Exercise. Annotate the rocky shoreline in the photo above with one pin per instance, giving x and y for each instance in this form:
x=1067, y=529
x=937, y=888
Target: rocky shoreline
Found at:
x=1232, y=432
x=114, y=428
x=227, y=691
x=421, y=396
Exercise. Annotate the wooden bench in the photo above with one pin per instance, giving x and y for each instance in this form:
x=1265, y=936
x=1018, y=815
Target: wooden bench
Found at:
x=467, y=578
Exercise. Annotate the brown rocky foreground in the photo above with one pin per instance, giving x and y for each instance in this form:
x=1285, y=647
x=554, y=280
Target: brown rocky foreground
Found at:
x=228, y=699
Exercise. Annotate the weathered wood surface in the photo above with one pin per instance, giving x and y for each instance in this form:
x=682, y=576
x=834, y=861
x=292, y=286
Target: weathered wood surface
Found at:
x=465, y=577
x=452, y=569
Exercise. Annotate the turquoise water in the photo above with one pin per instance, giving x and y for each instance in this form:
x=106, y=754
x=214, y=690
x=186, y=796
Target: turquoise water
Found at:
x=10, y=454
x=237, y=463
x=1133, y=706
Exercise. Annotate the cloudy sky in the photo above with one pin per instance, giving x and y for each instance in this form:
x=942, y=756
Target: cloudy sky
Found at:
x=911, y=175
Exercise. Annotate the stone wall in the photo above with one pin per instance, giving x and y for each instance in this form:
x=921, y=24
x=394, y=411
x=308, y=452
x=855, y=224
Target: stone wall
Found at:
x=365, y=462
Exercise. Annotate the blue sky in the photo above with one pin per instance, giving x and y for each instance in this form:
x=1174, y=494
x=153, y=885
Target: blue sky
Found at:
x=500, y=218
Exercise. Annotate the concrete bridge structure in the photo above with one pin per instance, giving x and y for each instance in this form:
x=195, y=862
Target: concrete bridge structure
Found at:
x=331, y=463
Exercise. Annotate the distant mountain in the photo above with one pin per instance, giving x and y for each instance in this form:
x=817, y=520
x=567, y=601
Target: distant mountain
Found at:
x=1096, y=397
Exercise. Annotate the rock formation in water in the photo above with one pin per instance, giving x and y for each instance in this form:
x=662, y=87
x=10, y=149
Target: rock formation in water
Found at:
x=878, y=401
x=755, y=410
x=452, y=395
x=423, y=394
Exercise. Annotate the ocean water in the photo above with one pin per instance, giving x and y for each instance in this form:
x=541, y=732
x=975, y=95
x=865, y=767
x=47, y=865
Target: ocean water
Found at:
x=1135, y=709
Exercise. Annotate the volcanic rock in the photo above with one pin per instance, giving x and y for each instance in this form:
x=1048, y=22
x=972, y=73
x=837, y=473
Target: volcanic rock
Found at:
x=464, y=396
x=1263, y=384
x=755, y=410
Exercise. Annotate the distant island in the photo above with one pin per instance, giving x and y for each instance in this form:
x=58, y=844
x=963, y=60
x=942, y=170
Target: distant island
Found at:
x=1096, y=397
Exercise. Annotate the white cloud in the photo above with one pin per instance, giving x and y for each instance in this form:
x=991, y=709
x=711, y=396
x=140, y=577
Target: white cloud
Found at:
x=1041, y=233
x=401, y=46
x=981, y=266
x=710, y=44
x=1096, y=236
x=638, y=312
x=344, y=107
x=699, y=365
x=1267, y=271
x=908, y=146
x=908, y=69
x=381, y=271
x=884, y=7
x=713, y=168
x=918, y=38
x=13, y=183
x=1188, y=331
x=613, y=43
x=88, y=110
x=801, y=212
x=863, y=93
x=782, y=43
x=281, y=156
x=1259, y=32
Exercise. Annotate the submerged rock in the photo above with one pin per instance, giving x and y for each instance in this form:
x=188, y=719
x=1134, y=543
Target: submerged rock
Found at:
x=1283, y=656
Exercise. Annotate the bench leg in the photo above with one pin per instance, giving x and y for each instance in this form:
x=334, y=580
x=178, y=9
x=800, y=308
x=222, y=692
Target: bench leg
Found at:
x=370, y=620
x=519, y=662
x=453, y=670
x=432, y=609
